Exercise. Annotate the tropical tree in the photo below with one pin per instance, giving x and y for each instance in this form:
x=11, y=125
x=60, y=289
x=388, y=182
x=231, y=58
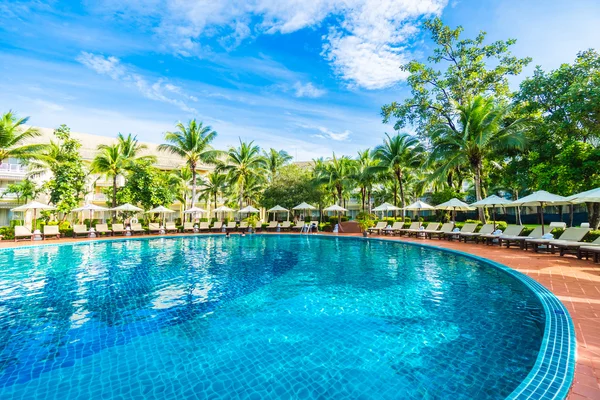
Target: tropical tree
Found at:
x=337, y=174
x=25, y=190
x=131, y=149
x=484, y=130
x=399, y=155
x=180, y=180
x=213, y=186
x=192, y=143
x=13, y=136
x=365, y=176
x=241, y=163
x=274, y=160
x=111, y=162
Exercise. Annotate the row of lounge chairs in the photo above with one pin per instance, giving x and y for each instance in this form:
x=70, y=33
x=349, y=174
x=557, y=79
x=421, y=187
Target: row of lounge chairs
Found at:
x=570, y=242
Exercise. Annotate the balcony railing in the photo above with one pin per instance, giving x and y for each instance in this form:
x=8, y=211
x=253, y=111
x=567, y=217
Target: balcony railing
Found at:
x=12, y=168
x=5, y=196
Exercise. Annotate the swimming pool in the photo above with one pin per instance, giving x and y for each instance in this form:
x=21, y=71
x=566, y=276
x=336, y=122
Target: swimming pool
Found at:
x=263, y=316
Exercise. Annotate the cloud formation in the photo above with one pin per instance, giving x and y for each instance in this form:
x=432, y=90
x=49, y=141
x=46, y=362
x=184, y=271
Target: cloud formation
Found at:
x=365, y=45
x=160, y=90
x=307, y=90
x=327, y=134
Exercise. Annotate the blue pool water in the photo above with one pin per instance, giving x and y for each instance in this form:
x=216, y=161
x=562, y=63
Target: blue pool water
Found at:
x=260, y=317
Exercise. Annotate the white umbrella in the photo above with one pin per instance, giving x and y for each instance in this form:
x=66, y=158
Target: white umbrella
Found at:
x=127, y=207
x=223, y=209
x=248, y=209
x=304, y=206
x=277, y=209
x=540, y=199
x=590, y=196
x=194, y=210
x=160, y=210
x=492, y=201
x=454, y=205
x=338, y=209
x=385, y=207
x=418, y=206
x=34, y=205
x=91, y=208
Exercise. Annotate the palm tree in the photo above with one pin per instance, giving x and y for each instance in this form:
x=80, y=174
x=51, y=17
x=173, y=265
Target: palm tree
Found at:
x=192, y=143
x=111, y=162
x=399, y=155
x=131, y=148
x=274, y=160
x=481, y=132
x=179, y=180
x=241, y=163
x=365, y=176
x=13, y=135
x=337, y=174
x=213, y=186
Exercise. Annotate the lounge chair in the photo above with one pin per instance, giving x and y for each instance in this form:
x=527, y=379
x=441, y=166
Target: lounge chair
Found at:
x=510, y=231
x=299, y=225
x=51, y=231
x=204, y=226
x=485, y=229
x=171, y=227
x=422, y=231
x=137, y=228
x=22, y=233
x=377, y=228
x=103, y=229
x=467, y=228
x=446, y=228
x=154, y=227
x=272, y=225
x=566, y=246
x=217, y=226
x=243, y=226
x=586, y=251
x=569, y=235
x=231, y=226
x=520, y=240
x=413, y=227
x=80, y=230
x=286, y=225
x=118, y=228
x=188, y=227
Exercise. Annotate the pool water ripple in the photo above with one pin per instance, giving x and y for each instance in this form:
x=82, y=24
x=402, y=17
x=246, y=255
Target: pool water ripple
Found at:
x=261, y=317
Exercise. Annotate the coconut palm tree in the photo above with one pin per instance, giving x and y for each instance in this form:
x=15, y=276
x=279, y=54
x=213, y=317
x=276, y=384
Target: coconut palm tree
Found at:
x=180, y=180
x=192, y=143
x=111, y=162
x=337, y=174
x=241, y=163
x=213, y=186
x=483, y=130
x=399, y=155
x=365, y=176
x=131, y=148
x=13, y=135
x=274, y=160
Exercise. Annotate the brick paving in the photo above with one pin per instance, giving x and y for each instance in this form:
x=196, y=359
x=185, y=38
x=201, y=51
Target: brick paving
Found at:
x=575, y=282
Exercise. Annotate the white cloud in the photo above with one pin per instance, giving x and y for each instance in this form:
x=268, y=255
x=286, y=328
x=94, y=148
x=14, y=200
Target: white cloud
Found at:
x=160, y=90
x=307, y=90
x=327, y=134
x=365, y=45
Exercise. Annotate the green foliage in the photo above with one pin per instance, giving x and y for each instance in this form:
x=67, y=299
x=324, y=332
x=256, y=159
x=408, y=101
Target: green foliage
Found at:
x=146, y=185
x=365, y=220
x=244, y=167
x=290, y=187
x=24, y=190
x=7, y=232
x=67, y=186
x=13, y=136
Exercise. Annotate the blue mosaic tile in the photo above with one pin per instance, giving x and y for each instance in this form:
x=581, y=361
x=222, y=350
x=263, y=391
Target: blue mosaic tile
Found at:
x=273, y=316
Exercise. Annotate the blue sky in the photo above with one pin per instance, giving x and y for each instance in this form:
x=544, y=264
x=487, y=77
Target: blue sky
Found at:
x=307, y=76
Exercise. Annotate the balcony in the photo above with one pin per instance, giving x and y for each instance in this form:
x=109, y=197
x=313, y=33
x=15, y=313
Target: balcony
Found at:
x=12, y=171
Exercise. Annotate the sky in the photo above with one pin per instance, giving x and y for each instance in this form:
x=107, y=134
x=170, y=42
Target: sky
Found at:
x=306, y=76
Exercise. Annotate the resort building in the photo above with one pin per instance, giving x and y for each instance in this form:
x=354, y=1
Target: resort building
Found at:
x=13, y=172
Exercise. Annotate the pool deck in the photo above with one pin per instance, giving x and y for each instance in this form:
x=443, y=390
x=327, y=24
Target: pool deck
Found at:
x=575, y=282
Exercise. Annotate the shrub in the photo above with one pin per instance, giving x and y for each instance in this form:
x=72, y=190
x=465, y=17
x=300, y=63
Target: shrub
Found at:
x=591, y=236
x=7, y=232
x=16, y=222
x=501, y=225
x=407, y=220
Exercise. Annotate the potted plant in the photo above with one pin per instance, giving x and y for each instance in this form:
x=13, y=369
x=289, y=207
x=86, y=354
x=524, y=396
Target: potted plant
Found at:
x=365, y=221
x=252, y=221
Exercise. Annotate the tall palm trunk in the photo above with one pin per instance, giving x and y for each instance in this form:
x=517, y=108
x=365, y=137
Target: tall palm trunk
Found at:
x=478, y=168
x=114, y=197
x=193, y=168
x=401, y=185
x=340, y=190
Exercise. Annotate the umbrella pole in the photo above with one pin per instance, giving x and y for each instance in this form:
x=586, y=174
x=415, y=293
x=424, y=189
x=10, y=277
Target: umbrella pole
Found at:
x=542, y=216
x=494, y=217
